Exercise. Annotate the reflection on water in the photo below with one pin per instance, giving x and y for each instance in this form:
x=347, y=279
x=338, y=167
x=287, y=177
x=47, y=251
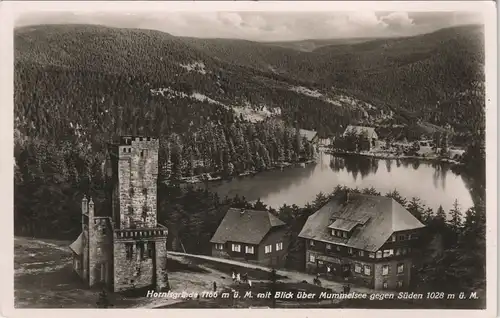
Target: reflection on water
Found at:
x=434, y=183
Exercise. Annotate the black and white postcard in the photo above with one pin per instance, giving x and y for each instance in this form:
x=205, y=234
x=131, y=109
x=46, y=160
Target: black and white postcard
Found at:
x=262, y=157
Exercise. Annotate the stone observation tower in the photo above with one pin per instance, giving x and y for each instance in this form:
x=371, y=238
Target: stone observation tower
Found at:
x=127, y=247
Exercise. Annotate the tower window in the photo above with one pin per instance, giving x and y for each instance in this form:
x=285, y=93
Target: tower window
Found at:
x=144, y=153
x=131, y=191
x=140, y=250
x=145, y=191
x=129, y=250
x=151, y=249
x=130, y=209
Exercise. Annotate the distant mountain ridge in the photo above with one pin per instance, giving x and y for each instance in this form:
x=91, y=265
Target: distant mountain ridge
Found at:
x=411, y=75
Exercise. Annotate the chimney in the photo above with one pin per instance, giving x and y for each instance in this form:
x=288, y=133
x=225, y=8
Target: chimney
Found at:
x=84, y=205
x=91, y=208
x=84, y=209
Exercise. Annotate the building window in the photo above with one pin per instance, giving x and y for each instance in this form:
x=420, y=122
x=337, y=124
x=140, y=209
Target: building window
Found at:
x=103, y=230
x=400, y=283
x=371, y=255
x=388, y=253
x=99, y=251
x=103, y=272
x=145, y=210
x=384, y=285
x=268, y=249
x=320, y=262
x=338, y=248
x=236, y=247
x=219, y=246
x=145, y=191
x=249, y=249
x=402, y=237
x=328, y=247
x=398, y=251
x=357, y=268
x=401, y=268
x=279, y=246
x=77, y=264
x=403, y=251
x=131, y=191
x=392, y=238
x=151, y=249
x=140, y=250
x=312, y=258
x=349, y=250
x=311, y=243
x=144, y=153
x=129, y=250
x=361, y=253
x=385, y=270
x=379, y=254
x=130, y=209
x=368, y=270
x=344, y=234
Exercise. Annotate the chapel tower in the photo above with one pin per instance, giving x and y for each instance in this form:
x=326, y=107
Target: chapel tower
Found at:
x=127, y=248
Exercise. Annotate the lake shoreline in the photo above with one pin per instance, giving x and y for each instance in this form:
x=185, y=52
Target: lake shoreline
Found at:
x=198, y=179
x=393, y=157
x=300, y=186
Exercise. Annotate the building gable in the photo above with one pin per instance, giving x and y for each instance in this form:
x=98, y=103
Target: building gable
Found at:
x=369, y=221
x=245, y=226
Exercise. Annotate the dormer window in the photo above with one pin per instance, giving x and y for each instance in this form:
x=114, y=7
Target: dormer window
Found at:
x=344, y=234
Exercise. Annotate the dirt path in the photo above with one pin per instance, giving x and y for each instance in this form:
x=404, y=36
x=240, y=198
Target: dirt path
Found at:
x=292, y=276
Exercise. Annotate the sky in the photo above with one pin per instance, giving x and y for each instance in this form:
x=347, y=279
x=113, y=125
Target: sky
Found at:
x=267, y=26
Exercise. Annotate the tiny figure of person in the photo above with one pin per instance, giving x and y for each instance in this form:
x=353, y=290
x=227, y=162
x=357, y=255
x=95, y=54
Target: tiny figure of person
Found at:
x=250, y=283
x=238, y=277
x=234, y=277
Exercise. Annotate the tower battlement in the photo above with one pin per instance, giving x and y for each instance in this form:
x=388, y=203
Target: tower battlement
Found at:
x=128, y=250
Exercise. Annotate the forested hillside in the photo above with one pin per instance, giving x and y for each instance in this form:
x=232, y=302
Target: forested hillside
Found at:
x=211, y=102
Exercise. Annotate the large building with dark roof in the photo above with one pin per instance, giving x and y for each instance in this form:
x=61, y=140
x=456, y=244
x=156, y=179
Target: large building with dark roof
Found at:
x=251, y=235
x=364, y=239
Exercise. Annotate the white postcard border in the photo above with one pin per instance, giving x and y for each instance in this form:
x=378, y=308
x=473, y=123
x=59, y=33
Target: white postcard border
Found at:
x=9, y=10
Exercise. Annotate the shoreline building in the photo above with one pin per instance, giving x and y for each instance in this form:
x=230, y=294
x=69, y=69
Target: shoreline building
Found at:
x=125, y=248
x=368, y=132
x=310, y=135
x=366, y=240
x=253, y=236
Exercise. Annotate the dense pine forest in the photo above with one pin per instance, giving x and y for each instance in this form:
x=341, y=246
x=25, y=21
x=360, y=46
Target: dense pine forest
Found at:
x=77, y=87
x=197, y=213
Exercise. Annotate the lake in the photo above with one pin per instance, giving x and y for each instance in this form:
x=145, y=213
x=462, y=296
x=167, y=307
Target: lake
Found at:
x=434, y=183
